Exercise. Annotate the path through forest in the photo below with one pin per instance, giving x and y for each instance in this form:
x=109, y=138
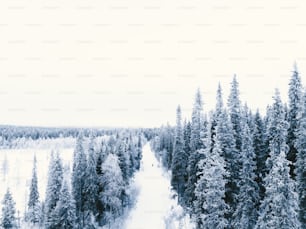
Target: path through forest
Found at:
x=155, y=208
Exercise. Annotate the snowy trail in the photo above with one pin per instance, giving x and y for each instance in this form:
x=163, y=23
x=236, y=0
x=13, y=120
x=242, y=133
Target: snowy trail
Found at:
x=154, y=205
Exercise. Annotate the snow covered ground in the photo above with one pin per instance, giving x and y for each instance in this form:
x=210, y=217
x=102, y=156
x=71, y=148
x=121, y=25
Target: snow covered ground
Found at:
x=155, y=207
x=16, y=172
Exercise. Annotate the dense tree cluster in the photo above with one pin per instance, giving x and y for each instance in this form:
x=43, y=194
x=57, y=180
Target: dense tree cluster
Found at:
x=92, y=193
x=232, y=168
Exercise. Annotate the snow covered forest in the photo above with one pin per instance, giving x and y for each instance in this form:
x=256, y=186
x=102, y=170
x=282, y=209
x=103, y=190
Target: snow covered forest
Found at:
x=232, y=168
x=227, y=168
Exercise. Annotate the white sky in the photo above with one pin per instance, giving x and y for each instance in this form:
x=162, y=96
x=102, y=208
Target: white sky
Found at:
x=129, y=63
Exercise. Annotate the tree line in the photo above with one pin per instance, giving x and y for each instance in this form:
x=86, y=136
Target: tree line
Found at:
x=94, y=192
x=232, y=168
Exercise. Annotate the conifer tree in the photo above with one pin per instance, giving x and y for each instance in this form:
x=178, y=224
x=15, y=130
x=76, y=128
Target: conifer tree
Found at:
x=179, y=161
x=210, y=206
x=234, y=106
x=79, y=180
x=8, y=217
x=301, y=162
x=245, y=215
x=55, y=179
x=279, y=209
x=295, y=97
x=34, y=211
x=64, y=213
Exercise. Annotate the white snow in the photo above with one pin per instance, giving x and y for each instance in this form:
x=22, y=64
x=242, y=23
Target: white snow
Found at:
x=155, y=207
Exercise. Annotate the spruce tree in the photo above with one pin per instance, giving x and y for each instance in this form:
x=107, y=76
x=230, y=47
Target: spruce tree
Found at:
x=210, y=206
x=78, y=180
x=295, y=97
x=64, y=213
x=277, y=130
x=8, y=217
x=179, y=160
x=112, y=182
x=301, y=162
x=279, y=209
x=55, y=179
x=234, y=106
x=261, y=151
x=245, y=215
x=91, y=182
x=34, y=211
x=196, y=143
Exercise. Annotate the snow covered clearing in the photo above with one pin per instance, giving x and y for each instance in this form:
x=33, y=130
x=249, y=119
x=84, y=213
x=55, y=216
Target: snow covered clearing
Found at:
x=155, y=208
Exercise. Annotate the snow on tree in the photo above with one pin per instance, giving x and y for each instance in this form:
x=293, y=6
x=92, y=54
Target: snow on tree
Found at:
x=210, y=206
x=295, y=97
x=225, y=137
x=277, y=130
x=124, y=161
x=65, y=212
x=179, y=160
x=245, y=215
x=34, y=212
x=261, y=151
x=91, y=181
x=78, y=179
x=279, y=209
x=195, y=139
x=55, y=178
x=113, y=184
x=196, y=143
x=234, y=106
x=300, y=169
x=8, y=217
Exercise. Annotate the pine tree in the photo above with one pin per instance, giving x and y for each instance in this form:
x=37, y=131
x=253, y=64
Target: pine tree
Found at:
x=8, y=218
x=295, y=97
x=64, y=213
x=195, y=139
x=301, y=161
x=113, y=184
x=279, y=208
x=261, y=151
x=234, y=106
x=34, y=211
x=55, y=179
x=123, y=160
x=179, y=161
x=210, y=206
x=91, y=182
x=245, y=215
x=78, y=180
x=277, y=130
x=196, y=143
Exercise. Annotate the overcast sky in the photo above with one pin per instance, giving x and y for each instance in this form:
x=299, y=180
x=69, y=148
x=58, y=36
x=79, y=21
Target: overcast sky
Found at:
x=130, y=63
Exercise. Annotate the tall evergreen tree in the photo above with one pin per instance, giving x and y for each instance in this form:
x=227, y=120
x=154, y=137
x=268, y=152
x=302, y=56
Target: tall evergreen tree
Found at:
x=113, y=184
x=195, y=139
x=234, y=106
x=8, y=217
x=179, y=160
x=91, y=182
x=64, y=213
x=196, y=143
x=245, y=215
x=301, y=162
x=55, y=178
x=34, y=211
x=277, y=130
x=279, y=209
x=261, y=151
x=210, y=206
x=225, y=137
x=295, y=97
x=79, y=180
